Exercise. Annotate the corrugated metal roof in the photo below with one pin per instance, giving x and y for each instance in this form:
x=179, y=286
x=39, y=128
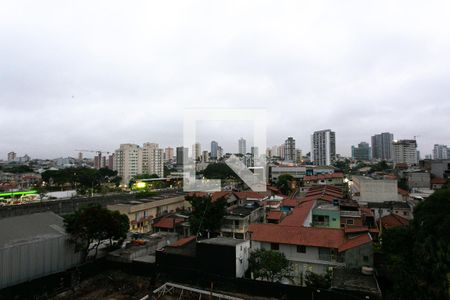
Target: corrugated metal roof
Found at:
x=27, y=228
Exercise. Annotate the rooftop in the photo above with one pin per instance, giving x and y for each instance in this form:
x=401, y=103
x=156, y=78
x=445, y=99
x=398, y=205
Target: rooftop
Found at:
x=222, y=241
x=28, y=228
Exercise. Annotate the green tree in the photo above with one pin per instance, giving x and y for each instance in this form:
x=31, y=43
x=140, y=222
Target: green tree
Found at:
x=92, y=225
x=284, y=183
x=418, y=256
x=219, y=171
x=380, y=167
x=268, y=264
x=318, y=281
x=207, y=215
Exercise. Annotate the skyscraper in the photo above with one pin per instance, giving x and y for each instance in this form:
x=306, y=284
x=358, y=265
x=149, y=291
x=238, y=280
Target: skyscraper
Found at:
x=289, y=149
x=362, y=152
x=128, y=161
x=12, y=156
x=405, y=151
x=182, y=155
x=214, y=146
x=440, y=152
x=323, y=147
x=382, y=146
x=168, y=154
x=242, y=146
x=196, y=151
x=152, y=159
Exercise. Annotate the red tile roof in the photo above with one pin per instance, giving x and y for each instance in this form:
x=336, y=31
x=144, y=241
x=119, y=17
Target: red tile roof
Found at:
x=290, y=202
x=438, y=180
x=182, y=242
x=355, y=242
x=295, y=235
x=251, y=194
x=323, y=176
x=393, y=220
x=299, y=214
x=167, y=222
x=275, y=215
x=214, y=196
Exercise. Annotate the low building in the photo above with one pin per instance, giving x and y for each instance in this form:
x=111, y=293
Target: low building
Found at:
x=141, y=212
x=417, y=179
x=237, y=220
x=321, y=179
x=34, y=246
x=437, y=183
x=220, y=256
x=276, y=171
x=367, y=189
x=313, y=249
x=401, y=209
x=233, y=254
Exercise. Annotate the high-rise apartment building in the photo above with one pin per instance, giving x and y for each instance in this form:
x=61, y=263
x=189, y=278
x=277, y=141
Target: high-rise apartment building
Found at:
x=281, y=150
x=382, y=146
x=12, y=156
x=214, y=146
x=205, y=156
x=405, y=151
x=323, y=147
x=197, y=151
x=128, y=161
x=219, y=152
x=299, y=156
x=152, y=159
x=168, y=154
x=362, y=152
x=242, y=146
x=182, y=155
x=289, y=149
x=440, y=152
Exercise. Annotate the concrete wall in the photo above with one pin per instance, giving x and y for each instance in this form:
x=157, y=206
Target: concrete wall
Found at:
x=34, y=259
x=375, y=190
x=354, y=258
x=242, y=255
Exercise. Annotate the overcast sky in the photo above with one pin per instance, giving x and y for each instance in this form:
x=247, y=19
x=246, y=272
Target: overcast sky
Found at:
x=94, y=74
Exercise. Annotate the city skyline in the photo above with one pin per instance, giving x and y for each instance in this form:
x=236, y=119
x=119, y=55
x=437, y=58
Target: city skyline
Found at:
x=107, y=82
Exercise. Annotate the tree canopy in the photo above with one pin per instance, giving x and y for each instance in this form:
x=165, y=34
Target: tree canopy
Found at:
x=418, y=256
x=219, y=171
x=92, y=225
x=268, y=264
x=318, y=281
x=284, y=183
x=207, y=215
x=81, y=178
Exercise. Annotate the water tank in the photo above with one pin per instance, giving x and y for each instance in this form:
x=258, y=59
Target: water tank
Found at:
x=367, y=270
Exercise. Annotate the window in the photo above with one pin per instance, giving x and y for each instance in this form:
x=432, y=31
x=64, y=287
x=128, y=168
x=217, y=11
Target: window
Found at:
x=275, y=246
x=301, y=249
x=350, y=222
x=365, y=258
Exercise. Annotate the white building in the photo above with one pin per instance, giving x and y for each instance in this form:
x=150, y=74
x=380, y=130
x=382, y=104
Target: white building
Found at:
x=168, y=154
x=33, y=246
x=242, y=146
x=128, y=161
x=366, y=189
x=323, y=147
x=405, y=151
x=196, y=151
x=152, y=159
x=440, y=152
x=289, y=149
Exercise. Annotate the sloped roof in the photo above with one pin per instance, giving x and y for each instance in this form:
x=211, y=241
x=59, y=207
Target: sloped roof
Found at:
x=168, y=222
x=355, y=242
x=393, y=220
x=182, y=242
x=299, y=214
x=27, y=228
x=275, y=215
x=295, y=235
